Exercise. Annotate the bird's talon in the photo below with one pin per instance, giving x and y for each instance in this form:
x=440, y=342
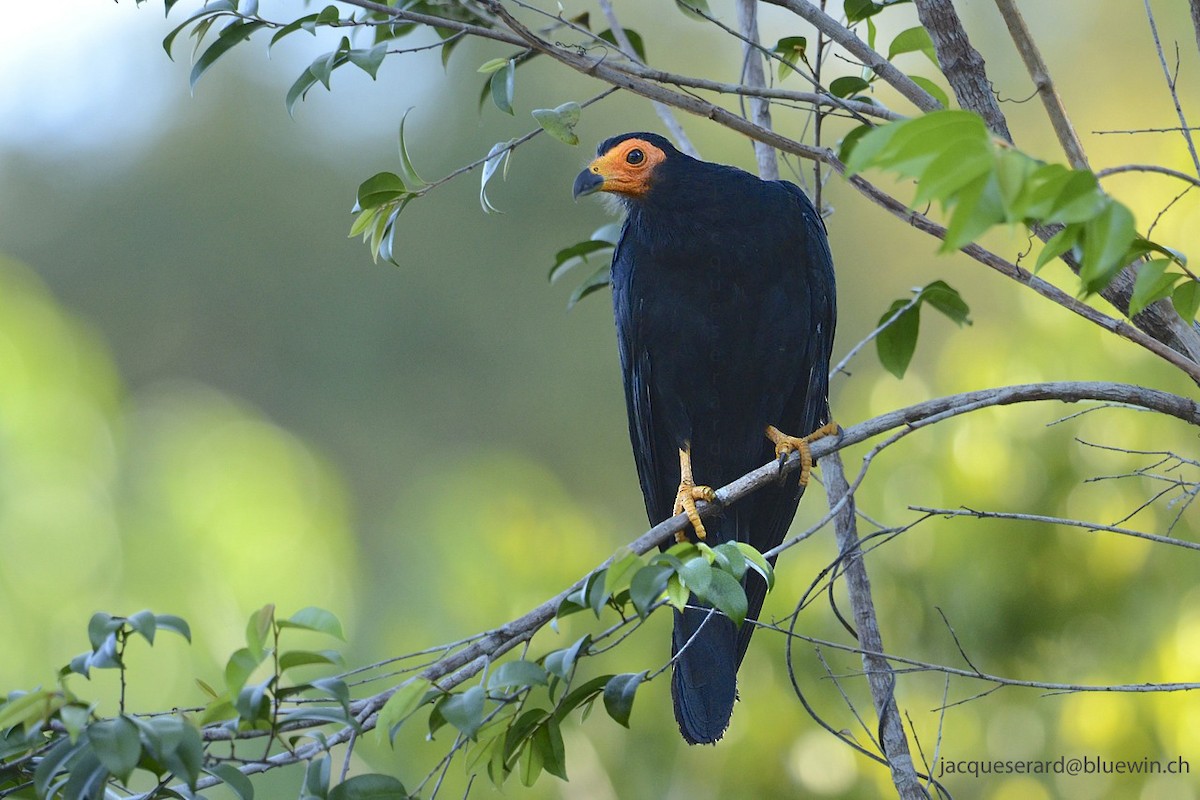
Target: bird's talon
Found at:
x=685, y=501
x=786, y=445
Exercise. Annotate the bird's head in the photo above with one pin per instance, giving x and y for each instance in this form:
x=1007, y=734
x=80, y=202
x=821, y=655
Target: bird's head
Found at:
x=626, y=165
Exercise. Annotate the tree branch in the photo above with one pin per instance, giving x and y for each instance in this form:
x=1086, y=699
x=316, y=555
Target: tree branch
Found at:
x=753, y=75
x=859, y=49
x=961, y=63
x=1040, y=74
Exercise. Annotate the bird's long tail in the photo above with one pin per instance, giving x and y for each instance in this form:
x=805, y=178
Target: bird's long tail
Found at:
x=704, y=684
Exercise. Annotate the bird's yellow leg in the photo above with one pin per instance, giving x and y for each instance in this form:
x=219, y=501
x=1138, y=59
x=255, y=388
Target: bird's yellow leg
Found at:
x=689, y=493
x=785, y=445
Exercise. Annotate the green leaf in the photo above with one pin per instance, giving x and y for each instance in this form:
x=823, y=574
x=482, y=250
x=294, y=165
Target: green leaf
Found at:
x=117, y=745
x=315, y=619
x=258, y=630
x=231, y=35
x=369, y=787
x=959, y=164
x=406, y=165
x=324, y=65
x=730, y=558
x=1186, y=299
x=913, y=40
x=620, y=571
x=946, y=299
x=648, y=585
x=316, y=778
x=1075, y=197
x=561, y=662
x=144, y=623
x=29, y=708
x=300, y=658
x=299, y=89
x=530, y=766
x=493, y=65
x=174, y=624
x=677, y=593
x=896, y=343
x=239, y=668
x=560, y=122
x=305, y=23
x=846, y=146
x=52, y=763
x=521, y=674
x=87, y=778
x=1153, y=283
x=938, y=92
x=464, y=711
x=379, y=189
x=503, y=83
x=549, y=742
x=577, y=253
x=100, y=626
x=696, y=574
x=410, y=696
x=580, y=695
x=186, y=759
x=758, y=563
x=1058, y=244
x=368, y=60
x=792, y=50
x=1106, y=238
x=238, y=783
x=977, y=208
x=619, y=693
x=496, y=156
x=858, y=10
x=594, y=283
x=635, y=39
x=726, y=594
x=847, y=85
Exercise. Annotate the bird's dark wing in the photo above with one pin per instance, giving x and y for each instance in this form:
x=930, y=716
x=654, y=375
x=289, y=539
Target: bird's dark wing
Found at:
x=652, y=459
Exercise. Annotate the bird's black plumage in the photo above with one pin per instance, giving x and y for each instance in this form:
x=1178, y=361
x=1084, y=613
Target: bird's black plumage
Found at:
x=723, y=293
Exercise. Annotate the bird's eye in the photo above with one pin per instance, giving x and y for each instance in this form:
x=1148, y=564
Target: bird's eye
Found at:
x=635, y=157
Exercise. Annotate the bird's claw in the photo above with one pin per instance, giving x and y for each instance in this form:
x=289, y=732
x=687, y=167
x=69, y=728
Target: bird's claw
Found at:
x=786, y=445
x=685, y=501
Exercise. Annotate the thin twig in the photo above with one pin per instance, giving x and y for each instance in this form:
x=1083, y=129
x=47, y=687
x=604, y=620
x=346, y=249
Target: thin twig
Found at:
x=1162, y=60
x=1040, y=74
x=664, y=111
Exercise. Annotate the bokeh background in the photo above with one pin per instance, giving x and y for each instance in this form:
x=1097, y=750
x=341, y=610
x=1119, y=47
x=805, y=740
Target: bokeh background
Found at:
x=211, y=399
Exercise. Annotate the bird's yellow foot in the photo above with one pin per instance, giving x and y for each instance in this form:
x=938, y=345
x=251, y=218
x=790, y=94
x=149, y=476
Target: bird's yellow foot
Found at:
x=688, y=494
x=785, y=445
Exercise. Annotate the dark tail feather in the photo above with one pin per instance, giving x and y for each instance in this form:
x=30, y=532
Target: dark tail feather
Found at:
x=704, y=683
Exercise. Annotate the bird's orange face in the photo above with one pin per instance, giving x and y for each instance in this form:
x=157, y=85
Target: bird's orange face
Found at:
x=628, y=169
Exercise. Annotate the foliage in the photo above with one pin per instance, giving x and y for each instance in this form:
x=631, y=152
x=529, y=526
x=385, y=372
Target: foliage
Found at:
x=510, y=721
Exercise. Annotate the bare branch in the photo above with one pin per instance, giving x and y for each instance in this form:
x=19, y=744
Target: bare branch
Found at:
x=1195, y=8
x=1073, y=523
x=1162, y=60
x=961, y=63
x=880, y=676
x=859, y=49
x=1045, y=85
x=1174, y=173
x=752, y=74
x=664, y=112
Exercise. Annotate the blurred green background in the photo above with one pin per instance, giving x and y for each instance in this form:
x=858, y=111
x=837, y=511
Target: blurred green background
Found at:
x=211, y=399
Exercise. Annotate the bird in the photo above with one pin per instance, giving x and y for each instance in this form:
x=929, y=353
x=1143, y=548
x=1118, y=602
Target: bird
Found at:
x=724, y=301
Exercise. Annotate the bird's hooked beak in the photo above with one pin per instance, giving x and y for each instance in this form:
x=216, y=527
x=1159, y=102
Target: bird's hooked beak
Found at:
x=588, y=182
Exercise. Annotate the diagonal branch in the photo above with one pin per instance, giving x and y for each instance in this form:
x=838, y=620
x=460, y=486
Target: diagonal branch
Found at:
x=859, y=49
x=1040, y=74
x=961, y=63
